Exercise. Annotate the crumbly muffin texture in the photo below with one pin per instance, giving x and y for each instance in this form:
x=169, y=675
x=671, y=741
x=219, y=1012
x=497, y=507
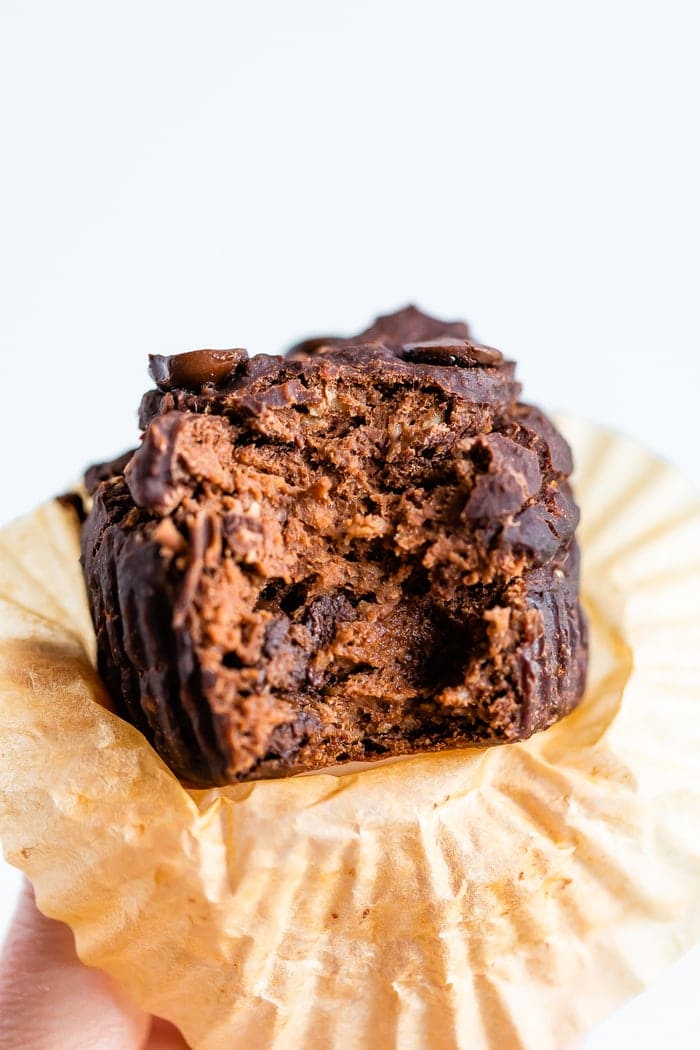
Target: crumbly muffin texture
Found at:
x=363, y=549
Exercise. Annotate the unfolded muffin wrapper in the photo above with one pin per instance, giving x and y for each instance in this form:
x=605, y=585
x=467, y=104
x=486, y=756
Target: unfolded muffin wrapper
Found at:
x=504, y=897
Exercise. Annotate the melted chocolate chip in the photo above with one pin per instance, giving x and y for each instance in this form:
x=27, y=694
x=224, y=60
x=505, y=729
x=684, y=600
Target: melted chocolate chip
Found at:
x=449, y=351
x=392, y=330
x=193, y=370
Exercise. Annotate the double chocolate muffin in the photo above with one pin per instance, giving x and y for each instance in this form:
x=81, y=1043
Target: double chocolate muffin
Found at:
x=363, y=549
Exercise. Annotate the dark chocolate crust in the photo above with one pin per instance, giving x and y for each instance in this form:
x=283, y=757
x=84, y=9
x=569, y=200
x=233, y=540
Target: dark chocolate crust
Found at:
x=363, y=549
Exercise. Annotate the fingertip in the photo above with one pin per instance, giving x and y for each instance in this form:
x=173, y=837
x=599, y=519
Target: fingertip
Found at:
x=49, y=1000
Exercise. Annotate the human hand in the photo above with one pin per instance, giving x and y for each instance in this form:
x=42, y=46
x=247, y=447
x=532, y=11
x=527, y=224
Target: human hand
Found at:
x=50, y=1001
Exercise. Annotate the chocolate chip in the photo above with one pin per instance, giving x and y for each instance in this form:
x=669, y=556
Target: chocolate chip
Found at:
x=447, y=350
x=191, y=371
x=405, y=326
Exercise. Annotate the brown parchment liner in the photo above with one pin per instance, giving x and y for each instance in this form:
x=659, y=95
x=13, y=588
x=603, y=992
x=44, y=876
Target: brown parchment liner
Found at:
x=503, y=898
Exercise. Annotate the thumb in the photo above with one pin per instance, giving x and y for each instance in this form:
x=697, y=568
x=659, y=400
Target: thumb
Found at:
x=50, y=1001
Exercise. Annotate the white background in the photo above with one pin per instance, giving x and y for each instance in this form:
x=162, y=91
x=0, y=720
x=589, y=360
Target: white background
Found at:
x=176, y=175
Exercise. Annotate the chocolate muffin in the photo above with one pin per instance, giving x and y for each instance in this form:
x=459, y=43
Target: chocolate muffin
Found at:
x=362, y=549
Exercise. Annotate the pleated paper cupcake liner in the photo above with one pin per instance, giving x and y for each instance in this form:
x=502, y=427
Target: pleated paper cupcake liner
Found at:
x=495, y=898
